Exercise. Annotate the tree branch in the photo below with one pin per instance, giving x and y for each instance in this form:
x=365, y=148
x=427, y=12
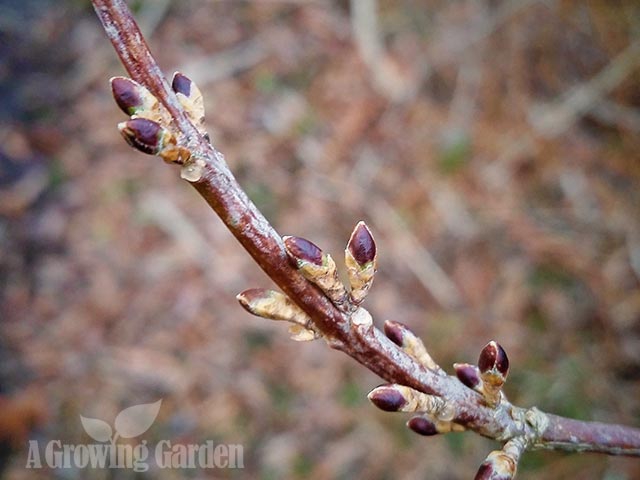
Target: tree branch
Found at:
x=473, y=400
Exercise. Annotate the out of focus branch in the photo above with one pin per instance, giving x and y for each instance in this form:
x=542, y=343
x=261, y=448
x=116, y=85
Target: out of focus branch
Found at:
x=554, y=119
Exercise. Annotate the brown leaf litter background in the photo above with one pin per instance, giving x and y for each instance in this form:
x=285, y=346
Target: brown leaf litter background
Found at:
x=492, y=147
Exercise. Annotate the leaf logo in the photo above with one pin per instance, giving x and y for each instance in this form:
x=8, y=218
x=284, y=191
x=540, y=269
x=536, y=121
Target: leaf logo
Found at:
x=136, y=420
x=129, y=423
x=96, y=428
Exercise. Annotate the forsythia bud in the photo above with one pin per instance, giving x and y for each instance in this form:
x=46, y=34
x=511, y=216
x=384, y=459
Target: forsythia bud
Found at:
x=387, y=398
x=493, y=365
x=468, y=374
x=497, y=466
x=182, y=84
x=190, y=98
x=128, y=94
x=303, y=251
x=138, y=102
x=395, y=332
x=316, y=267
x=362, y=262
x=146, y=135
x=410, y=343
x=399, y=398
x=362, y=246
x=422, y=426
x=493, y=359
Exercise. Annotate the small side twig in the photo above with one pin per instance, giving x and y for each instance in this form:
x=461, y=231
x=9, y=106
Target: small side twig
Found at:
x=168, y=121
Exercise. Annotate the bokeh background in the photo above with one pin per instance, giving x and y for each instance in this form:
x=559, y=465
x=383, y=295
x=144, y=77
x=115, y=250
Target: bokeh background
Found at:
x=492, y=146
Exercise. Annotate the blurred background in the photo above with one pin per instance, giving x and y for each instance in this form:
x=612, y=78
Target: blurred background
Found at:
x=493, y=147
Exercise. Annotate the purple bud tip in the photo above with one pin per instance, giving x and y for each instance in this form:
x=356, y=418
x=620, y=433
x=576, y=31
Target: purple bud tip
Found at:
x=362, y=245
x=493, y=357
x=422, y=426
x=181, y=84
x=485, y=472
x=467, y=374
x=387, y=398
x=142, y=134
x=248, y=296
x=126, y=94
x=394, y=332
x=300, y=249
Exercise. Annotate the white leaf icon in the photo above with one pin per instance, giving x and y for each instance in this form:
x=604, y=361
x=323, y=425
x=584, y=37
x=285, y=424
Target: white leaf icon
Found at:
x=136, y=420
x=97, y=429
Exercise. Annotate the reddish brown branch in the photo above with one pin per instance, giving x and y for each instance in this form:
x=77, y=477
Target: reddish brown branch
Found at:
x=218, y=185
x=574, y=435
x=363, y=342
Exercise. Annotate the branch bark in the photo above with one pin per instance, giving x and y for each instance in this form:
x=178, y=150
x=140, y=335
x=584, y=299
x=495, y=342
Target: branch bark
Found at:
x=360, y=340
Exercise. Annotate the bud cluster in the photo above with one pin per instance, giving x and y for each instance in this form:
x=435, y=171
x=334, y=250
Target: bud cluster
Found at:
x=150, y=128
x=319, y=268
x=434, y=414
x=361, y=260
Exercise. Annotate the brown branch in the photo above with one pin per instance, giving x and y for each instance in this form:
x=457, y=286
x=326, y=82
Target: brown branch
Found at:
x=574, y=435
x=357, y=337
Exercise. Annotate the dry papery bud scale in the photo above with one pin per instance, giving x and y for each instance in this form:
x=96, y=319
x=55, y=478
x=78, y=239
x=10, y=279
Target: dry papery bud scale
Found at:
x=190, y=98
x=277, y=306
x=473, y=399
